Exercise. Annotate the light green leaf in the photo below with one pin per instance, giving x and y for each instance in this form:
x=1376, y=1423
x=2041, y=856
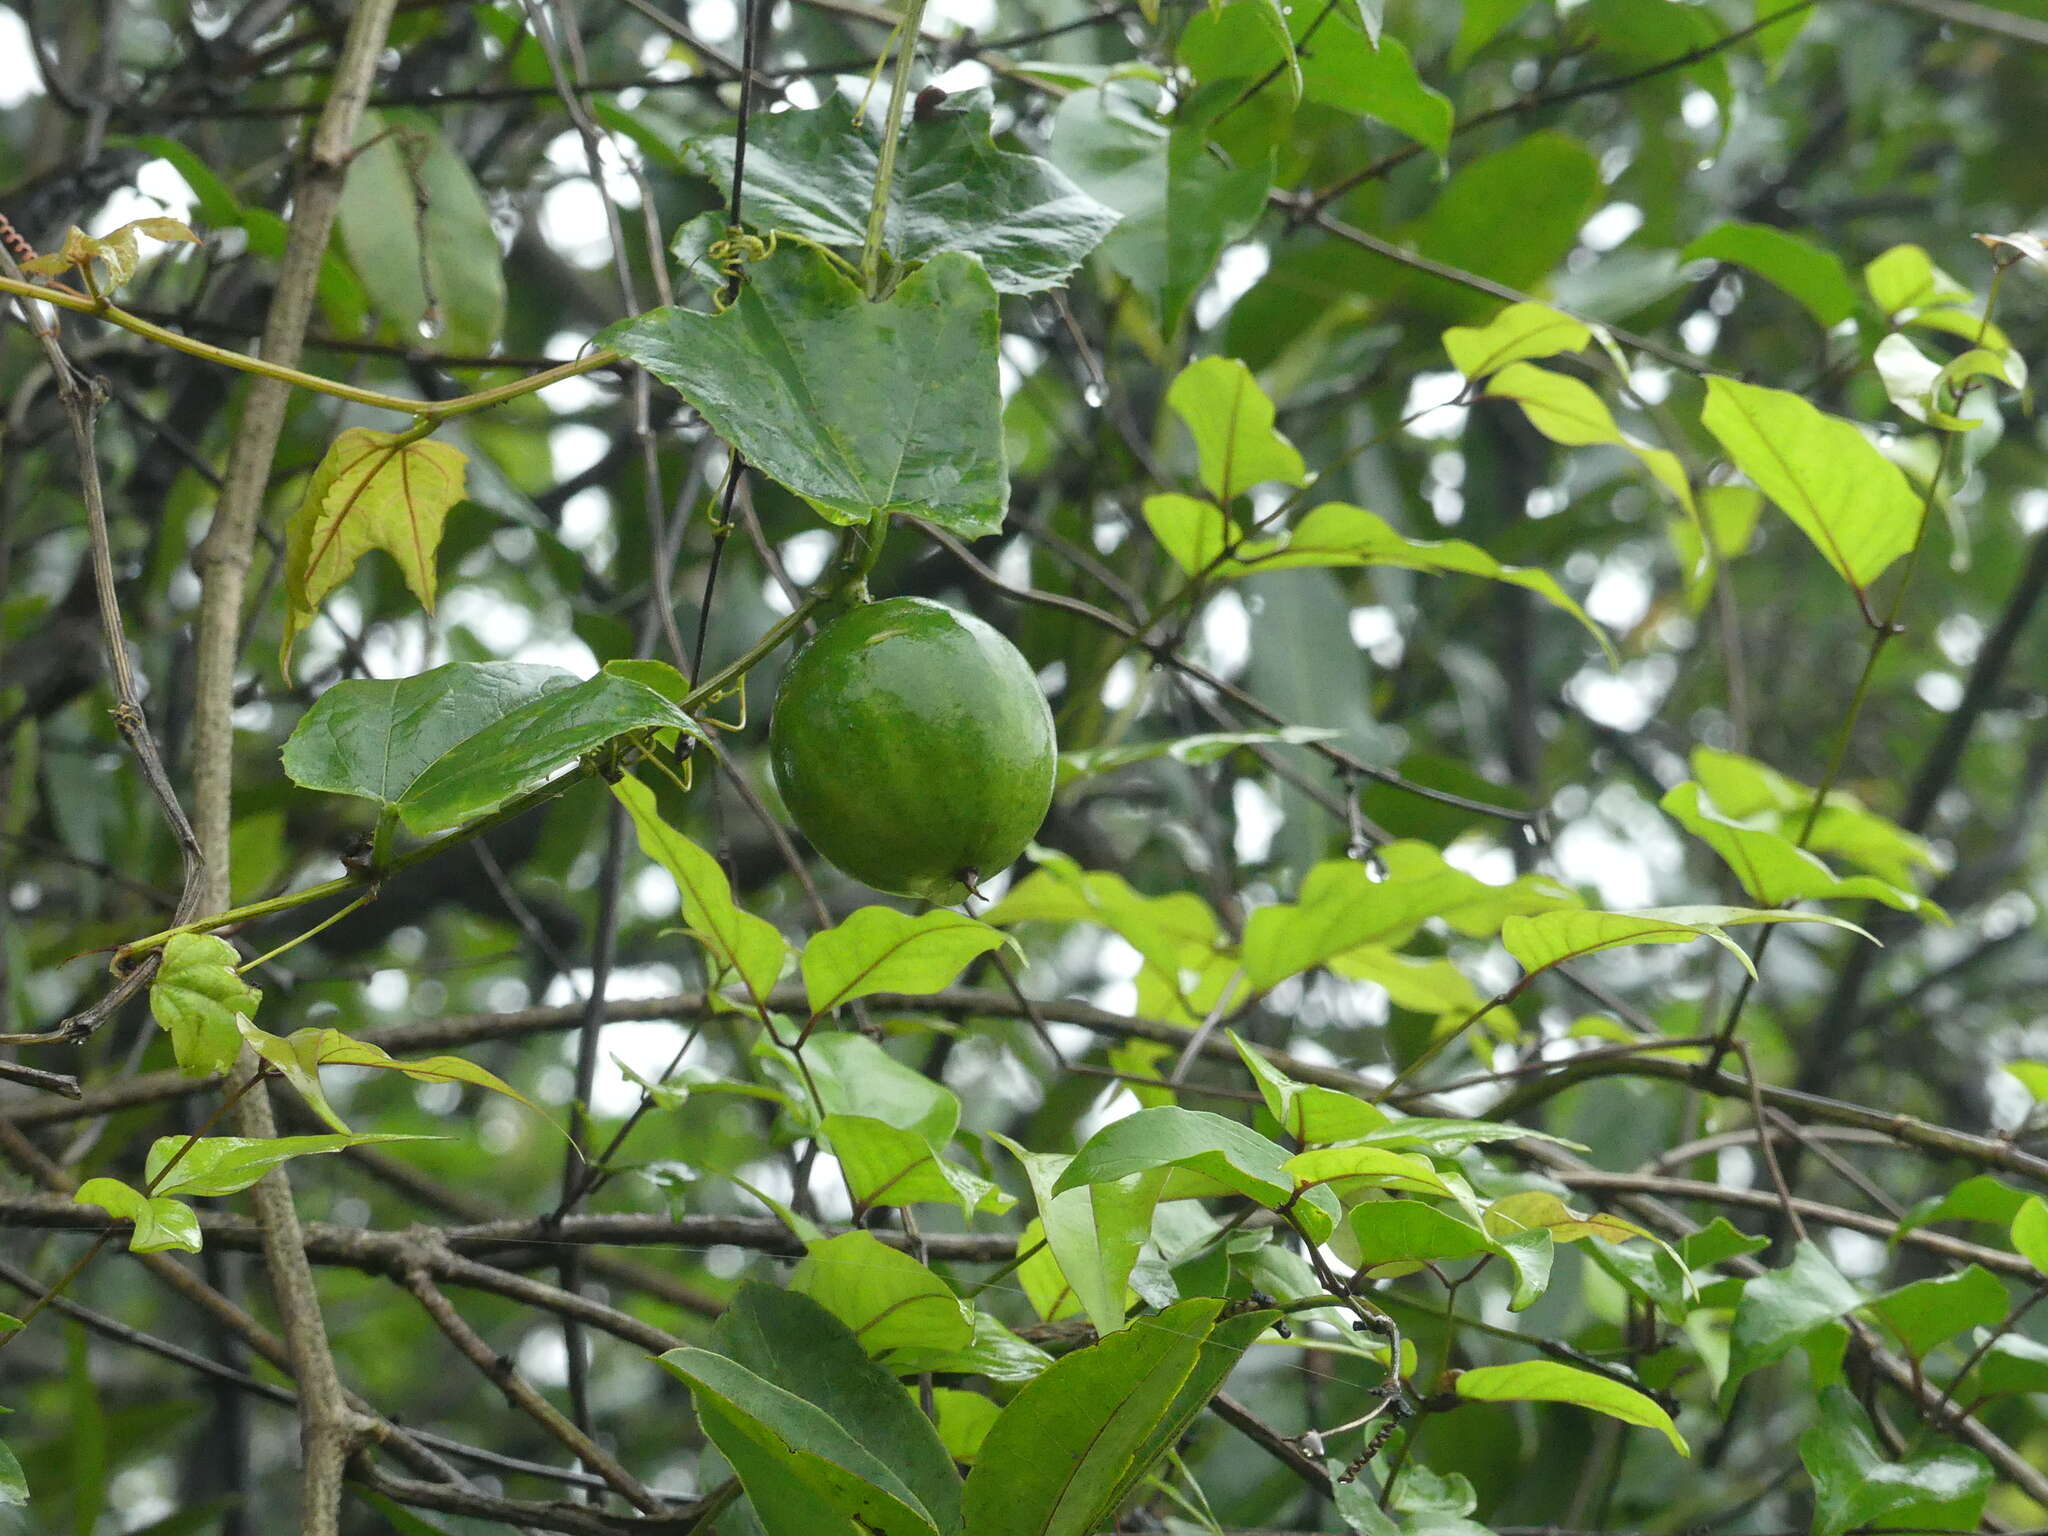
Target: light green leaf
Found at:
x=1374, y=1166
x=225, y=1165
x=1335, y=534
x=1567, y=411
x=419, y=234
x=855, y=1076
x=1771, y=867
x=1551, y=938
x=1341, y=907
x=1517, y=334
x=878, y=949
x=1810, y=273
x=1231, y=421
x=886, y=1297
x=1072, y=1445
x=995, y=1353
x=1533, y=1210
x=372, y=490
x=1340, y=68
x=1552, y=1381
x=13, y=1485
x=194, y=999
x=858, y=407
x=1906, y=278
x=300, y=1057
x=1852, y=501
x=813, y=174
x=160, y=1222
x=1746, y=789
x=742, y=944
x=2030, y=1233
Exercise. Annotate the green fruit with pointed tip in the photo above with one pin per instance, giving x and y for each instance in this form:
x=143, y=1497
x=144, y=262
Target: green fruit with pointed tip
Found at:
x=913, y=747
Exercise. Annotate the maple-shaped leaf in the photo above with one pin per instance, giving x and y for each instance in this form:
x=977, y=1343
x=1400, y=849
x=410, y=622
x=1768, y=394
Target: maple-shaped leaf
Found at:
x=373, y=490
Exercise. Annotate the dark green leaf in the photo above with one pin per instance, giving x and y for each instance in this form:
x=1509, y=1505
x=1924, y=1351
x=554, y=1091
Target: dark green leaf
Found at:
x=1779, y=1310
x=858, y=407
x=813, y=174
x=1854, y=1484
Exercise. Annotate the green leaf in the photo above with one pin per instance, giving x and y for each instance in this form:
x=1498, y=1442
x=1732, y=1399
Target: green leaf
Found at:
x=780, y=1436
x=878, y=949
x=964, y=1420
x=2013, y=1363
x=458, y=742
x=855, y=1076
x=160, y=1222
x=2030, y=1233
x=1231, y=420
x=790, y=1341
x=225, y=1165
x=1195, y=533
x=419, y=234
x=1744, y=788
x=1306, y=1111
x=1533, y=1210
x=1978, y=1198
x=1771, y=867
x=1855, y=1485
x=1852, y=501
x=1236, y=39
x=526, y=747
x=813, y=174
x=1551, y=938
x=372, y=490
x=1906, y=278
x=1480, y=22
x=1378, y=1167
x=886, y=1165
x=1180, y=205
x=301, y=1056
x=1070, y=1447
x=1447, y=1138
x=860, y=408
x=1810, y=273
x=1780, y=1310
x=13, y=1485
x=1927, y=1312
x=1915, y=383
x=1517, y=334
x=1342, y=907
x=1095, y=1232
x=741, y=944
x=1234, y=1155
x=195, y=998
x=1341, y=69
x=1567, y=411
x=1552, y=1381
x=888, y=1299
x=375, y=737
x=1511, y=216
x=2032, y=1076
x=995, y=1353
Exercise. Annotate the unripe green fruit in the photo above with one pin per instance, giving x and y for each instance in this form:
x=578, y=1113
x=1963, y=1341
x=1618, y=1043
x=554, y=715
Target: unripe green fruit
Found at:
x=913, y=747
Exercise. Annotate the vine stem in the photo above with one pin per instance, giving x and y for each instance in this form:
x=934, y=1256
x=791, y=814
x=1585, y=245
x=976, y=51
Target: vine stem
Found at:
x=892, y=134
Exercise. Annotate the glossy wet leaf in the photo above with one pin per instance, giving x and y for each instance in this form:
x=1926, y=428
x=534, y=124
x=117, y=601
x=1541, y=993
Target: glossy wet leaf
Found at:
x=1855, y=1484
x=226, y=1165
x=858, y=407
x=1170, y=1137
x=160, y=1222
x=1780, y=1310
x=1928, y=1312
x=813, y=174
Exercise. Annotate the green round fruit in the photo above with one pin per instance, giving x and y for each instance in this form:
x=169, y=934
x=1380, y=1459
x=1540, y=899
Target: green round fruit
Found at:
x=913, y=747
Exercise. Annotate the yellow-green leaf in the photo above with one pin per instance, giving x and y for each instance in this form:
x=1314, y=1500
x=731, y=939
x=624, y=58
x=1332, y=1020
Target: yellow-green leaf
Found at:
x=1232, y=422
x=1515, y=335
x=373, y=490
x=1552, y=1381
x=160, y=1222
x=1569, y=412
